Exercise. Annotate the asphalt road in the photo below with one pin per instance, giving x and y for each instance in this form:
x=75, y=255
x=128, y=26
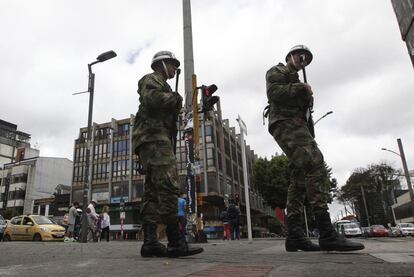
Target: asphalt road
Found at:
x=262, y=257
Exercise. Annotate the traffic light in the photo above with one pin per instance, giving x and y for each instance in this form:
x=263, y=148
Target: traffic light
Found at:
x=207, y=98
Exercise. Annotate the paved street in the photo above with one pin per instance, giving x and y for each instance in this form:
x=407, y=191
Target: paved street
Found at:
x=264, y=257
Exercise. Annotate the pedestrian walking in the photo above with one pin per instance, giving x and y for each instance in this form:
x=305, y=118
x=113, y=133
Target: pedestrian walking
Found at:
x=154, y=141
x=78, y=224
x=226, y=226
x=92, y=220
x=233, y=215
x=290, y=101
x=73, y=214
x=182, y=213
x=106, y=223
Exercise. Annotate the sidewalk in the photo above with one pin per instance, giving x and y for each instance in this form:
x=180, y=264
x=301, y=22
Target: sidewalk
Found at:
x=263, y=257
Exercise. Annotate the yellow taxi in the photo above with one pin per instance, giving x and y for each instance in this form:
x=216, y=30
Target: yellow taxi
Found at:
x=33, y=227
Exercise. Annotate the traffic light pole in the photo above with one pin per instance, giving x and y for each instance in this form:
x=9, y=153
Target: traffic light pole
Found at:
x=203, y=137
x=191, y=112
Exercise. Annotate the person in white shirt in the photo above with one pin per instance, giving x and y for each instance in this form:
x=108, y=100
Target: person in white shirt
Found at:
x=92, y=218
x=106, y=223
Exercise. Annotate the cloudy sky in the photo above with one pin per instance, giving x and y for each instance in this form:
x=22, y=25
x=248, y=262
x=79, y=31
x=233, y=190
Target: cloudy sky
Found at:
x=361, y=69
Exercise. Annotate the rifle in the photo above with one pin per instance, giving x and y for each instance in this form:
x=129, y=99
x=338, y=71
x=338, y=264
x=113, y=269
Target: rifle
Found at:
x=309, y=112
x=174, y=138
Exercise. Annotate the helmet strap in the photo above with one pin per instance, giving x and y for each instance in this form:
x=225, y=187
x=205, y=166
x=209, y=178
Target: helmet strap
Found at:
x=165, y=69
x=294, y=62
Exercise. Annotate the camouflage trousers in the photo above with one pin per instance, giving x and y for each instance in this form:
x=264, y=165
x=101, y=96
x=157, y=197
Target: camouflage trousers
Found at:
x=306, y=164
x=159, y=203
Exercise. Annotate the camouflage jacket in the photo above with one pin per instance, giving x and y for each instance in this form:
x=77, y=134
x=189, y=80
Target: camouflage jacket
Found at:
x=156, y=119
x=286, y=94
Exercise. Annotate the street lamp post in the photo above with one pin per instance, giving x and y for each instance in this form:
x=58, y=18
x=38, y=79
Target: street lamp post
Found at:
x=405, y=167
x=304, y=207
x=243, y=130
x=322, y=117
x=86, y=185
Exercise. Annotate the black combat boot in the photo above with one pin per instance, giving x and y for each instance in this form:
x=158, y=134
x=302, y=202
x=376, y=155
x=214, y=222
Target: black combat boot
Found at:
x=177, y=246
x=296, y=240
x=329, y=239
x=152, y=247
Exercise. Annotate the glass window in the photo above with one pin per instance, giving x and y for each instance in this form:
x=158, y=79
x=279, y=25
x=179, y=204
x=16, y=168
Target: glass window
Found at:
x=27, y=221
x=35, y=209
x=209, y=130
x=42, y=220
x=137, y=191
x=115, y=168
x=16, y=221
x=120, y=189
x=77, y=195
x=116, y=148
x=42, y=209
x=19, y=178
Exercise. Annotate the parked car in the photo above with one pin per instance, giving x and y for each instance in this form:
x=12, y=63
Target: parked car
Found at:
x=33, y=227
x=366, y=231
x=395, y=232
x=352, y=230
x=338, y=225
x=3, y=224
x=378, y=231
x=406, y=228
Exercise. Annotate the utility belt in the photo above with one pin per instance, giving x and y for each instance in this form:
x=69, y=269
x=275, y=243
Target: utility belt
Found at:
x=285, y=111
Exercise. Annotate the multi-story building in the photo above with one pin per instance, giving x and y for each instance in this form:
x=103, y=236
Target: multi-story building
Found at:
x=10, y=140
x=30, y=178
x=115, y=177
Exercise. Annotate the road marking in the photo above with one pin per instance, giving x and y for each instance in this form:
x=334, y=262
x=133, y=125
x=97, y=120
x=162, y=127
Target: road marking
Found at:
x=230, y=271
x=395, y=257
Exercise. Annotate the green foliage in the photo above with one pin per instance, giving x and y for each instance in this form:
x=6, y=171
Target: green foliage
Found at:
x=272, y=180
x=9, y=213
x=376, y=180
x=330, y=184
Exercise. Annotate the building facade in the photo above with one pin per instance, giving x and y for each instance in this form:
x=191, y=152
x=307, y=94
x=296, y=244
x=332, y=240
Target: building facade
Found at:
x=115, y=177
x=10, y=140
x=404, y=10
x=24, y=181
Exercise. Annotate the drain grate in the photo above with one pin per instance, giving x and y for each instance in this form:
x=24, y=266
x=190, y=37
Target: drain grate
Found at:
x=232, y=271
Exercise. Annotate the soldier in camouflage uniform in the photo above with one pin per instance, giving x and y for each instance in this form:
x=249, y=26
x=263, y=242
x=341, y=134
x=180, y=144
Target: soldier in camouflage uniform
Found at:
x=154, y=134
x=289, y=100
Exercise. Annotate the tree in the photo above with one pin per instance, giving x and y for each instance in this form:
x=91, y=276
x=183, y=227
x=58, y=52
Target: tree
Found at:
x=330, y=184
x=377, y=180
x=272, y=179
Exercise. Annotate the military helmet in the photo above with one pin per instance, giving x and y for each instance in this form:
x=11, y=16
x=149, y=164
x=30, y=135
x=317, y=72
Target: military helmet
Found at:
x=303, y=50
x=164, y=55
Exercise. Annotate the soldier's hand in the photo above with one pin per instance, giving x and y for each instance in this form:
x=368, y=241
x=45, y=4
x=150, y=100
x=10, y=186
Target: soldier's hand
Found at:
x=308, y=88
x=308, y=92
x=179, y=104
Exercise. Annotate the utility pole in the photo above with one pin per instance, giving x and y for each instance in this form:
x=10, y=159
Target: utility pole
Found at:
x=191, y=122
x=407, y=174
x=306, y=221
x=365, y=205
x=188, y=55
